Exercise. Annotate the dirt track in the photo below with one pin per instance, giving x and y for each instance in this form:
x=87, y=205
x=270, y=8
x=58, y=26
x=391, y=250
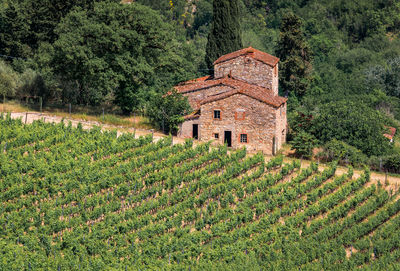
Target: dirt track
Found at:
x=29, y=117
x=389, y=182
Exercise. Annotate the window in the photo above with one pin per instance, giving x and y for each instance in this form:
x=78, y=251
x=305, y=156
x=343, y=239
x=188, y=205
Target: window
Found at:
x=217, y=114
x=243, y=138
x=240, y=114
x=216, y=135
x=276, y=70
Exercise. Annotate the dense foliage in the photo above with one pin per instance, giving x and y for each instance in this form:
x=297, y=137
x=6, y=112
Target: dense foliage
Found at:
x=93, y=52
x=303, y=143
x=295, y=57
x=88, y=200
x=225, y=36
x=355, y=123
x=336, y=150
x=167, y=111
x=8, y=80
x=117, y=51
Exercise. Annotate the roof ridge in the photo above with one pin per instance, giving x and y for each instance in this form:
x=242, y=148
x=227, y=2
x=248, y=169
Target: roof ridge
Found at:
x=270, y=99
x=254, y=53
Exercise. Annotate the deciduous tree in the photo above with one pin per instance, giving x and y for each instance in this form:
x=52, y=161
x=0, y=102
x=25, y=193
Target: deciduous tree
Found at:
x=117, y=52
x=354, y=123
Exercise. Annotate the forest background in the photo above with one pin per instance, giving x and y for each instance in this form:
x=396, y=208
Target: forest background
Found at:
x=102, y=52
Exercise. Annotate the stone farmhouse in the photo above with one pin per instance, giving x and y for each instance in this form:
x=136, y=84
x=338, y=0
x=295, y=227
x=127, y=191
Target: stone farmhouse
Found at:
x=239, y=105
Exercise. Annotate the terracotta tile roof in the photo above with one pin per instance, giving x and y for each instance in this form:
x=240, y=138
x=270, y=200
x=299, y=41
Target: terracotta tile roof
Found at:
x=262, y=94
x=251, y=52
x=268, y=98
x=392, y=131
x=201, y=79
x=198, y=85
x=194, y=115
x=224, y=81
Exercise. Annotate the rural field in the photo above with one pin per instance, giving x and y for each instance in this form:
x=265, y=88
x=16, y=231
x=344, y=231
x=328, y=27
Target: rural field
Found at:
x=75, y=199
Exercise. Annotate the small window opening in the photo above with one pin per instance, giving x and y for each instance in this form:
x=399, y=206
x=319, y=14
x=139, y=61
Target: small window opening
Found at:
x=217, y=114
x=243, y=138
x=216, y=135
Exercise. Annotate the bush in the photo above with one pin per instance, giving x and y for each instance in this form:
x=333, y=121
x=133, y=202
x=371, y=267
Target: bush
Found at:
x=303, y=143
x=354, y=123
x=166, y=111
x=336, y=150
x=392, y=163
x=8, y=80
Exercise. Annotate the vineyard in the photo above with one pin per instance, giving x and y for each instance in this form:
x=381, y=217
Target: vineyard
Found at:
x=74, y=199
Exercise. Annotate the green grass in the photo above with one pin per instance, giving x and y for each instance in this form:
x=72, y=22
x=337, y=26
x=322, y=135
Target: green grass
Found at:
x=112, y=114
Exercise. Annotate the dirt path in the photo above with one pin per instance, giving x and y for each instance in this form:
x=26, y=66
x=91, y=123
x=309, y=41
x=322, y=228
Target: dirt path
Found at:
x=389, y=182
x=29, y=117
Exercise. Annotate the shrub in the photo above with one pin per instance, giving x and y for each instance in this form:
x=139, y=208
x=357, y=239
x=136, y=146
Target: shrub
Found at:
x=342, y=152
x=303, y=143
x=354, y=123
x=166, y=111
x=392, y=163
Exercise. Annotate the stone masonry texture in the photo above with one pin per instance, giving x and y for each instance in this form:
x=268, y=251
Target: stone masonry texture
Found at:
x=264, y=124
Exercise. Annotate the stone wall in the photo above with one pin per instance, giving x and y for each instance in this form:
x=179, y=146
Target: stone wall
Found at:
x=259, y=123
x=250, y=70
x=281, y=127
x=186, y=128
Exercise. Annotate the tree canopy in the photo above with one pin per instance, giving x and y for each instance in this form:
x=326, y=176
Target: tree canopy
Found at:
x=295, y=56
x=225, y=36
x=354, y=123
x=8, y=80
x=117, y=52
x=104, y=51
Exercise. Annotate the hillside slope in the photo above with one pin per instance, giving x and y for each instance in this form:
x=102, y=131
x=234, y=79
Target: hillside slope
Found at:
x=88, y=200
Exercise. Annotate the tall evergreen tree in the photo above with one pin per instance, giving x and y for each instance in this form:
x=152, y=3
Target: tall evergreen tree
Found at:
x=225, y=36
x=295, y=56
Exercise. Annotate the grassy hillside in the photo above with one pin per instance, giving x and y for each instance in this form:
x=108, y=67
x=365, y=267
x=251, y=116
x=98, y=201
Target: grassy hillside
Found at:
x=86, y=200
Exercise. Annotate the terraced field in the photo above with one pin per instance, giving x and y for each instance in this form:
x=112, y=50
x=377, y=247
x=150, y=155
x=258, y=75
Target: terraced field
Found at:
x=72, y=199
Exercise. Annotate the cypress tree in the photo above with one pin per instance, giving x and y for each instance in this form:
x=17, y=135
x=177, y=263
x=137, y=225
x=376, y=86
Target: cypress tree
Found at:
x=225, y=34
x=295, y=57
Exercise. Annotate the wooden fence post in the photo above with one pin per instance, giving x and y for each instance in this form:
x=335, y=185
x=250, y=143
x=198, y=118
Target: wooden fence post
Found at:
x=41, y=104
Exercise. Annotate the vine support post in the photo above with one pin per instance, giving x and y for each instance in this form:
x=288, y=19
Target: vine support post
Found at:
x=386, y=178
x=69, y=109
x=41, y=104
x=26, y=117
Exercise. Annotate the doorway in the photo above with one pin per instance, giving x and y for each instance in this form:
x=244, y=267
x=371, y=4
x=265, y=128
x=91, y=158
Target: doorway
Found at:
x=228, y=138
x=195, y=131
